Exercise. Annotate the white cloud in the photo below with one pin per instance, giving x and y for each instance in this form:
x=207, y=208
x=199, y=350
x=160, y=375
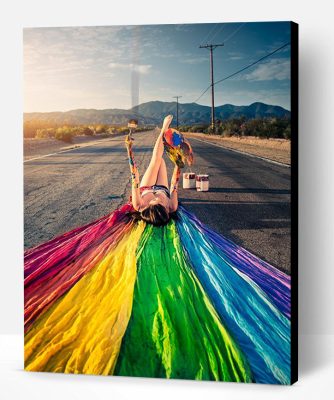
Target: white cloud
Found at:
x=101, y=44
x=197, y=60
x=141, y=68
x=276, y=69
x=235, y=55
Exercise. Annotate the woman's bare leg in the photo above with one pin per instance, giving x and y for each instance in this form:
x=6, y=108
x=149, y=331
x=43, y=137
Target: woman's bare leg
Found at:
x=162, y=178
x=150, y=176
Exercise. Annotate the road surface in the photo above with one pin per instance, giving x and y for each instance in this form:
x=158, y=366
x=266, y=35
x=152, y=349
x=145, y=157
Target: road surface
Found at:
x=248, y=201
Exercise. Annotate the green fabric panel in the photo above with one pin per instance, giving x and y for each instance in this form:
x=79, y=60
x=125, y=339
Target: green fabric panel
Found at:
x=174, y=331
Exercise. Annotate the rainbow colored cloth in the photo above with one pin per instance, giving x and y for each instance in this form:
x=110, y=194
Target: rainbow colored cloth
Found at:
x=118, y=297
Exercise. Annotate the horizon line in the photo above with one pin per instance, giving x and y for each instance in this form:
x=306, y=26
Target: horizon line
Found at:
x=151, y=101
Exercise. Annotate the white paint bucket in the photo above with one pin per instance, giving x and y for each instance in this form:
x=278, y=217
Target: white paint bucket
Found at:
x=202, y=182
x=189, y=180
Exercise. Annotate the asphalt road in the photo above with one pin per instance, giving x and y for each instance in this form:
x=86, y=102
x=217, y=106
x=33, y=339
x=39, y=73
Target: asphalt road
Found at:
x=248, y=201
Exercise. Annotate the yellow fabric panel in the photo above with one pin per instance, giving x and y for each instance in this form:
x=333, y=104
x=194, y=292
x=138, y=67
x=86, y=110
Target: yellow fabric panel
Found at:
x=83, y=330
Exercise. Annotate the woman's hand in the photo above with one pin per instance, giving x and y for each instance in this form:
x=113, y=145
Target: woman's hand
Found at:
x=167, y=122
x=175, y=179
x=129, y=141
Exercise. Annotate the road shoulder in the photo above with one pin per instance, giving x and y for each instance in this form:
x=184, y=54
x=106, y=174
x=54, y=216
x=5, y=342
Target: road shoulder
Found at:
x=276, y=150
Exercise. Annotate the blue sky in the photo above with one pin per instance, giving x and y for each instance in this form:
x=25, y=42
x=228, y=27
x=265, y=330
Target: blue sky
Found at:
x=120, y=66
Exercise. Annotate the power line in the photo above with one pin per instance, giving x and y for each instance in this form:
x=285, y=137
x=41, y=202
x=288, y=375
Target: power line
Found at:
x=219, y=31
x=202, y=94
x=212, y=47
x=211, y=31
x=250, y=65
x=243, y=69
x=221, y=28
x=234, y=32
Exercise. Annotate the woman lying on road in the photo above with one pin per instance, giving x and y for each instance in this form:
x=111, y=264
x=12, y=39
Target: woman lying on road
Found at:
x=152, y=199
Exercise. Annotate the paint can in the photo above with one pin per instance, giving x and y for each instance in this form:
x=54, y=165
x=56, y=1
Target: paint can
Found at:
x=189, y=180
x=202, y=182
x=198, y=180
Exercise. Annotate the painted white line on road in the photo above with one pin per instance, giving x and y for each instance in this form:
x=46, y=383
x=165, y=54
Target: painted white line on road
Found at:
x=69, y=149
x=51, y=154
x=242, y=152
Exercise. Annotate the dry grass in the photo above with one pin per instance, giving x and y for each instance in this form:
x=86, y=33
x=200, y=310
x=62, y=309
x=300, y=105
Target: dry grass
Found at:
x=273, y=149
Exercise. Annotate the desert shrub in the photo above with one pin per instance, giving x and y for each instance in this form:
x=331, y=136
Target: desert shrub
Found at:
x=199, y=128
x=184, y=128
x=42, y=134
x=122, y=129
x=76, y=130
x=219, y=129
x=45, y=133
x=65, y=134
x=100, y=129
x=209, y=130
x=87, y=131
x=287, y=132
x=111, y=130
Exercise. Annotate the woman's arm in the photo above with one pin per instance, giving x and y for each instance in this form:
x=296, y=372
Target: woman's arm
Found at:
x=173, y=188
x=136, y=197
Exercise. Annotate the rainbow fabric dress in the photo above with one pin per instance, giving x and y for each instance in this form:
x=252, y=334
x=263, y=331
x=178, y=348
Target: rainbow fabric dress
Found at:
x=119, y=297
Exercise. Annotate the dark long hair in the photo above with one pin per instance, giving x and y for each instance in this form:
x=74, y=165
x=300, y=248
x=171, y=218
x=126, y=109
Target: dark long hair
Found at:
x=156, y=215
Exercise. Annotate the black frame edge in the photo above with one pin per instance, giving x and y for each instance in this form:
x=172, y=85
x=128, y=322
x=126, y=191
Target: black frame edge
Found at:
x=294, y=201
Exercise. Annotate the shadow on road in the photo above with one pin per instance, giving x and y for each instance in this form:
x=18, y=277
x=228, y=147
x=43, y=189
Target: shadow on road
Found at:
x=95, y=150
x=249, y=190
x=237, y=220
x=64, y=163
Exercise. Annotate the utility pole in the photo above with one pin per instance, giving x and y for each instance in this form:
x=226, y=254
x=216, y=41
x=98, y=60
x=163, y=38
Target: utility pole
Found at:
x=211, y=47
x=177, y=110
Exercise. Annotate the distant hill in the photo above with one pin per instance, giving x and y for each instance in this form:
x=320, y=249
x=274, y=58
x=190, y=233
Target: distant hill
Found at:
x=153, y=112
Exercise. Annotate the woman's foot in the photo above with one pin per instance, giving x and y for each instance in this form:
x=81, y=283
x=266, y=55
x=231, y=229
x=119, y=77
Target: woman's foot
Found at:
x=167, y=122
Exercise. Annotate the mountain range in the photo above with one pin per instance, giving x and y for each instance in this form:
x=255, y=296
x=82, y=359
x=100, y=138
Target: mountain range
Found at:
x=153, y=113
